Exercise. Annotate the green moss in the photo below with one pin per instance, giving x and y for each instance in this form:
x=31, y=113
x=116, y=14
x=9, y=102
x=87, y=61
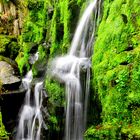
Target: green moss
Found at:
x=4, y=41
x=56, y=100
x=65, y=19
x=116, y=69
x=8, y=46
x=3, y=133
x=34, y=31
x=131, y=131
x=63, y=23
x=23, y=57
x=55, y=92
x=105, y=132
x=12, y=50
x=5, y=1
x=53, y=123
x=53, y=32
x=60, y=27
x=35, y=22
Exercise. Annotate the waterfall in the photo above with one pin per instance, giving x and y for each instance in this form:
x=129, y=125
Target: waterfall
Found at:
x=31, y=120
x=82, y=29
x=69, y=68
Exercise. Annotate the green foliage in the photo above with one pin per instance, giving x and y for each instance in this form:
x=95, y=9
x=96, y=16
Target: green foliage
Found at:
x=13, y=49
x=55, y=92
x=65, y=19
x=79, y=2
x=8, y=46
x=41, y=51
x=23, y=57
x=35, y=22
x=63, y=23
x=4, y=41
x=53, y=119
x=53, y=32
x=103, y=132
x=60, y=27
x=116, y=69
x=3, y=133
x=33, y=31
x=56, y=100
x=53, y=123
x=5, y=1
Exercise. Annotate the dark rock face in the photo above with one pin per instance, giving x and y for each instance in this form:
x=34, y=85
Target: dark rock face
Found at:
x=12, y=96
x=10, y=107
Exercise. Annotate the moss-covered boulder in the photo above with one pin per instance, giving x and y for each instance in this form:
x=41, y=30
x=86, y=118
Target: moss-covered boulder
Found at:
x=116, y=71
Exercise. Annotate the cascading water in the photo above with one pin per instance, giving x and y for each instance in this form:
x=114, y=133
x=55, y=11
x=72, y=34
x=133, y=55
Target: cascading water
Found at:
x=68, y=69
x=31, y=119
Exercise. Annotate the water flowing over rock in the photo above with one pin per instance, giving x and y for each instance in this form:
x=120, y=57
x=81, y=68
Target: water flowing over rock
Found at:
x=33, y=58
x=31, y=120
x=68, y=69
x=31, y=115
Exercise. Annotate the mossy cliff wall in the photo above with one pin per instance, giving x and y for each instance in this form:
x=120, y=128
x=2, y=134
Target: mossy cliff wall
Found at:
x=116, y=71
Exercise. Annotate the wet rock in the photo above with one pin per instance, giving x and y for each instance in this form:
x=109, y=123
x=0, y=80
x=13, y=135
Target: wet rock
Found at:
x=33, y=46
x=7, y=76
x=10, y=107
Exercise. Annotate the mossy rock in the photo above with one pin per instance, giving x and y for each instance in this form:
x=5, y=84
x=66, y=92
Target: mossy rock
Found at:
x=9, y=46
x=12, y=50
x=9, y=61
x=4, y=42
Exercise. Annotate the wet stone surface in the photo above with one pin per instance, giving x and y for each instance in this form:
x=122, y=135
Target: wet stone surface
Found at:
x=7, y=74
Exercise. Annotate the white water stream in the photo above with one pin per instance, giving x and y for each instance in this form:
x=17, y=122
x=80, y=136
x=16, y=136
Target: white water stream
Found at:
x=30, y=119
x=69, y=70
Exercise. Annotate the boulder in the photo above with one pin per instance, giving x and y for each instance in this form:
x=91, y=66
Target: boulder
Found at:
x=7, y=76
